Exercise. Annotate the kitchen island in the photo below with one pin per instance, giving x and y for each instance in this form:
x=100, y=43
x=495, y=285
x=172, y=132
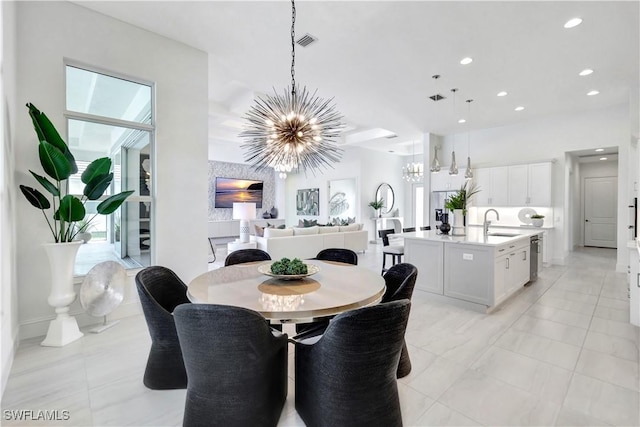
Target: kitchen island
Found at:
x=478, y=270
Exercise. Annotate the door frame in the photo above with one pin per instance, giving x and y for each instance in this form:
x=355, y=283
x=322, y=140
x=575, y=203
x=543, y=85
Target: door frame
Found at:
x=583, y=210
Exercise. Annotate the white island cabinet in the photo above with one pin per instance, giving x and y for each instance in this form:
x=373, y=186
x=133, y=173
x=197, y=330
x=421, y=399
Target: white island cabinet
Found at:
x=480, y=270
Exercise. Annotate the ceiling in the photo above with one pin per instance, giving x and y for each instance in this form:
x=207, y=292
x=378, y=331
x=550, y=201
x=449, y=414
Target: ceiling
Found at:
x=377, y=59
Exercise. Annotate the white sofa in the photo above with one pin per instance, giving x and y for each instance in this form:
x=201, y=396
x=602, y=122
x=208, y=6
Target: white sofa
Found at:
x=305, y=243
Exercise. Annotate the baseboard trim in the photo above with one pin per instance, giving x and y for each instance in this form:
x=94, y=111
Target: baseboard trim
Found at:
x=38, y=327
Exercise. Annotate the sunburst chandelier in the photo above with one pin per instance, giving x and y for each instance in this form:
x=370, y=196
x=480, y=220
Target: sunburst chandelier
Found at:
x=412, y=172
x=292, y=131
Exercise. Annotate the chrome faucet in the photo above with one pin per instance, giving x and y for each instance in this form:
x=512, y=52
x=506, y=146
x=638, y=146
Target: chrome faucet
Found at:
x=486, y=222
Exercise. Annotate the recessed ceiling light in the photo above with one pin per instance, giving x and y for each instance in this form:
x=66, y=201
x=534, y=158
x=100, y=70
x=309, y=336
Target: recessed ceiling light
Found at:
x=599, y=149
x=585, y=72
x=593, y=92
x=466, y=61
x=573, y=22
x=603, y=158
x=462, y=121
x=520, y=108
x=503, y=93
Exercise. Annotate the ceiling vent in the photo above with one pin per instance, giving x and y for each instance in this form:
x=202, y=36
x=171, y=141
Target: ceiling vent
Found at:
x=306, y=40
x=437, y=97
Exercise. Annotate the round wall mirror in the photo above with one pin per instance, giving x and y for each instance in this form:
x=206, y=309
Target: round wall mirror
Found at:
x=385, y=192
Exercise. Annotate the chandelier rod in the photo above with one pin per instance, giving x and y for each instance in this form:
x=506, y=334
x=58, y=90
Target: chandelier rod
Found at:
x=293, y=48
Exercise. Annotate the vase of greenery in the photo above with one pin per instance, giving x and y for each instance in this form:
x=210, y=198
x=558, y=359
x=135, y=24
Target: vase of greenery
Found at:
x=377, y=206
x=63, y=215
x=457, y=203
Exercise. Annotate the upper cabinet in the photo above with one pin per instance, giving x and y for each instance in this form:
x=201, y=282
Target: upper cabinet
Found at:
x=518, y=185
x=530, y=185
x=442, y=181
x=493, y=186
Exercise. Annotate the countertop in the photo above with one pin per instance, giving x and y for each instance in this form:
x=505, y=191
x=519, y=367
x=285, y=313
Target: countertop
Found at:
x=474, y=236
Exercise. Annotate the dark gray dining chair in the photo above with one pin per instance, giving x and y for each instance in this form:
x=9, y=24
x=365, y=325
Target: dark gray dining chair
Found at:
x=161, y=291
x=400, y=280
x=236, y=366
x=347, y=377
x=346, y=256
x=408, y=229
x=246, y=255
x=425, y=228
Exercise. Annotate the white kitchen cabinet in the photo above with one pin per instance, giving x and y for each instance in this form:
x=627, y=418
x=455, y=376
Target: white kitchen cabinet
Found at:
x=442, y=181
x=428, y=257
x=493, y=185
x=530, y=185
x=634, y=286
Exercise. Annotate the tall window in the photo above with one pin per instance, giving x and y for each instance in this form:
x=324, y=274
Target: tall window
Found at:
x=109, y=115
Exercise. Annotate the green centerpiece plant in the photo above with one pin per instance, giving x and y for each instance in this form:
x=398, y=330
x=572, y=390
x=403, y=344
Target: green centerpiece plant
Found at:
x=67, y=217
x=289, y=267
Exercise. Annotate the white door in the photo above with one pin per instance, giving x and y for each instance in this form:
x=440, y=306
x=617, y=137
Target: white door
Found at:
x=600, y=198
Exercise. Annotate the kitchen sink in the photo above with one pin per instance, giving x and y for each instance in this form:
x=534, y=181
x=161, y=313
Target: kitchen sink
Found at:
x=504, y=234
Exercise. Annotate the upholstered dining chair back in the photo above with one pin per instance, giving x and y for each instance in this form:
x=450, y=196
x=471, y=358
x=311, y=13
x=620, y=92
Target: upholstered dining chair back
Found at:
x=236, y=366
x=408, y=229
x=346, y=256
x=425, y=228
x=400, y=280
x=246, y=255
x=348, y=376
x=161, y=291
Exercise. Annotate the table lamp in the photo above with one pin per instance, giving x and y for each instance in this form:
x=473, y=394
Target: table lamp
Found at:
x=244, y=212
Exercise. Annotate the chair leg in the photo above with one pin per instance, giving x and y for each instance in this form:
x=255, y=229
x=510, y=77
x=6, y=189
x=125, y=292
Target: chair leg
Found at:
x=384, y=262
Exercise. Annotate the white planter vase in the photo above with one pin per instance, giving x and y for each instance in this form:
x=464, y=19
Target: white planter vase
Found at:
x=457, y=228
x=64, y=328
x=537, y=222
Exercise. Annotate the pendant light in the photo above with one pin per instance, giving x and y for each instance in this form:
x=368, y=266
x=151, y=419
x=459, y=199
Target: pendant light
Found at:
x=453, y=169
x=435, y=165
x=469, y=173
x=292, y=131
x=413, y=171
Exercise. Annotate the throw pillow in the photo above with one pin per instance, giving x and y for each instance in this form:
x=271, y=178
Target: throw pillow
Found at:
x=352, y=227
x=259, y=230
x=309, y=222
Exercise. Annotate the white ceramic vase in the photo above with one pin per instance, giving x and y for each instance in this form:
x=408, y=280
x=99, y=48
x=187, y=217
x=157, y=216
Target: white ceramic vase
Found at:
x=457, y=228
x=537, y=222
x=64, y=328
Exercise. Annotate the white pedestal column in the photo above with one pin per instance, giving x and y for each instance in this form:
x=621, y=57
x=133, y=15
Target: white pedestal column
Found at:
x=64, y=328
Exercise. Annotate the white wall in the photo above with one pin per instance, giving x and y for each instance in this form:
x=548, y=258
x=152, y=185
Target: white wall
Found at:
x=8, y=284
x=51, y=31
x=550, y=138
x=370, y=168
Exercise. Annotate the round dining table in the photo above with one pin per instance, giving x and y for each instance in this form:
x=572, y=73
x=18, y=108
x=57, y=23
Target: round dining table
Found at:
x=333, y=289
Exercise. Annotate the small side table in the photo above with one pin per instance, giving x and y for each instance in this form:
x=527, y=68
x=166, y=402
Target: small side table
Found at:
x=234, y=246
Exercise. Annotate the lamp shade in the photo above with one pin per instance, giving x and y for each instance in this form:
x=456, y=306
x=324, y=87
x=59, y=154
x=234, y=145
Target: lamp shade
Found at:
x=244, y=211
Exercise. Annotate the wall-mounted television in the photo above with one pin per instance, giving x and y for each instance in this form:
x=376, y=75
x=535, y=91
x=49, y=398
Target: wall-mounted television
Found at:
x=234, y=190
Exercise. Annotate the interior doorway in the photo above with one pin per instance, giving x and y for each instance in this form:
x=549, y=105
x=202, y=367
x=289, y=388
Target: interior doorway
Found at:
x=600, y=211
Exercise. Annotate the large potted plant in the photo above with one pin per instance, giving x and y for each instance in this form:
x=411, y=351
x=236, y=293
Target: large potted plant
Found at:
x=457, y=203
x=64, y=214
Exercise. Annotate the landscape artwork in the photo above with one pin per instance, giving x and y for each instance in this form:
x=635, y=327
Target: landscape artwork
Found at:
x=234, y=190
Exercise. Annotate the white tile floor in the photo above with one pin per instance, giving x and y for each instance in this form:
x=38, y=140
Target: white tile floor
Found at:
x=560, y=353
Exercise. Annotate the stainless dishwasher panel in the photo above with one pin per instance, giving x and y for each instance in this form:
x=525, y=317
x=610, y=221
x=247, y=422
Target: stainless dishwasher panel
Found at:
x=533, y=258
